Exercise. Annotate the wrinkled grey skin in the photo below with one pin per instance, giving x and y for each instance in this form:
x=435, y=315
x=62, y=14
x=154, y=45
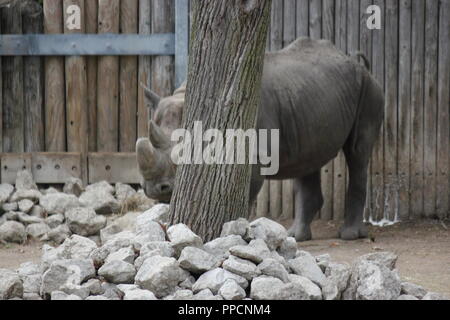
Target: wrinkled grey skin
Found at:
x=322, y=101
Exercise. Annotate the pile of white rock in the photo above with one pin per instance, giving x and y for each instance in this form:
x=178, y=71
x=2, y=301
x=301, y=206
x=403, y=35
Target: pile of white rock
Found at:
x=154, y=261
x=50, y=215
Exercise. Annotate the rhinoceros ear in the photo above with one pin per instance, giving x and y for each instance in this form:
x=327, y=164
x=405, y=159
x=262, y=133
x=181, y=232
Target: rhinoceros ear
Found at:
x=152, y=96
x=157, y=136
x=145, y=156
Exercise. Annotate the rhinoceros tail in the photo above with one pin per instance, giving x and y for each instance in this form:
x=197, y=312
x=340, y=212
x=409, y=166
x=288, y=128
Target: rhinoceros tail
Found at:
x=364, y=58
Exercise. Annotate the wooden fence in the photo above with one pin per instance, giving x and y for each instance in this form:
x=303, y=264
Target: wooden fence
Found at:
x=43, y=99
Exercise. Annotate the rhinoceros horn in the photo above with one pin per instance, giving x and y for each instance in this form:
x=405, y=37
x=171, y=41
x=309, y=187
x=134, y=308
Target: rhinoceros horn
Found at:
x=152, y=96
x=149, y=159
x=157, y=136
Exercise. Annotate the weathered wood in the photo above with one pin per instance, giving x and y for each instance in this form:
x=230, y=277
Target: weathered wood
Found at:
x=13, y=100
x=430, y=108
x=315, y=19
x=33, y=88
x=56, y=168
x=144, y=70
x=289, y=29
x=108, y=81
x=417, y=97
x=328, y=20
x=128, y=81
x=339, y=179
x=404, y=109
x=302, y=18
x=181, y=41
x=276, y=43
x=91, y=16
x=377, y=205
x=55, y=128
x=443, y=149
x=113, y=167
x=76, y=92
x=262, y=206
x=12, y=163
x=391, y=181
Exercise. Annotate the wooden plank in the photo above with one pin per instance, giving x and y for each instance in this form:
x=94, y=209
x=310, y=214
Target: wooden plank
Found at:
x=417, y=97
x=339, y=172
x=91, y=16
x=289, y=22
x=76, y=92
x=181, y=41
x=128, y=81
x=108, y=83
x=13, y=100
x=113, y=167
x=327, y=174
x=55, y=132
x=163, y=73
x=315, y=19
x=443, y=153
x=302, y=18
x=276, y=43
x=12, y=163
x=56, y=168
x=391, y=112
x=144, y=69
x=377, y=198
x=404, y=109
x=365, y=46
x=262, y=205
x=33, y=83
x=430, y=108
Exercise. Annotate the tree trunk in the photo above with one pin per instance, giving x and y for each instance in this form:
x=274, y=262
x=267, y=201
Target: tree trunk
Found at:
x=225, y=70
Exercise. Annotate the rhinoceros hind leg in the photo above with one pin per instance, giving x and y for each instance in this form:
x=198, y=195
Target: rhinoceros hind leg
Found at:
x=308, y=200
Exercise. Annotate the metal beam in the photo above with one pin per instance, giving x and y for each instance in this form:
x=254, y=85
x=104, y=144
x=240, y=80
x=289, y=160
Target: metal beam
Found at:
x=87, y=44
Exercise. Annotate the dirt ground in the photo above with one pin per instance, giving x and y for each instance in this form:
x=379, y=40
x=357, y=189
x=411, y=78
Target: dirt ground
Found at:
x=423, y=248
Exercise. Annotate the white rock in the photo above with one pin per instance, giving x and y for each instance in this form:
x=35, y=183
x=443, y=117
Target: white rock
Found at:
x=31, y=277
x=330, y=291
x=59, y=234
x=100, y=199
x=413, y=290
x=196, y=260
x=73, y=186
x=124, y=192
x=181, y=295
x=288, y=248
x=255, y=251
x=230, y=290
x=181, y=236
x=206, y=295
x=7, y=207
x=405, y=297
x=163, y=246
x=188, y=283
x=102, y=185
x=84, y=221
x=118, y=272
x=76, y=247
x=37, y=230
x=61, y=296
x=55, y=220
x=241, y=267
x=387, y=259
x=124, y=254
x=97, y=298
x=238, y=227
x=148, y=231
x=22, y=194
x=268, y=230
x=12, y=231
x=94, y=286
x=59, y=203
x=6, y=191
x=26, y=219
x=158, y=213
x=25, y=205
x=339, y=274
x=221, y=246
x=139, y=294
x=24, y=181
x=305, y=265
x=272, y=268
x=266, y=288
x=323, y=261
x=75, y=289
x=38, y=212
x=310, y=290
x=215, y=278
x=109, y=231
x=161, y=275
x=434, y=296
x=10, y=285
x=66, y=272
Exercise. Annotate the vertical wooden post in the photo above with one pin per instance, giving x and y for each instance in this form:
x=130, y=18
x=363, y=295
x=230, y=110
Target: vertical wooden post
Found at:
x=33, y=83
x=302, y=18
x=404, y=109
x=144, y=69
x=128, y=80
x=108, y=81
x=391, y=112
x=55, y=118
x=13, y=99
x=76, y=92
x=181, y=41
x=315, y=19
x=417, y=97
x=443, y=150
x=431, y=77
x=91, y=16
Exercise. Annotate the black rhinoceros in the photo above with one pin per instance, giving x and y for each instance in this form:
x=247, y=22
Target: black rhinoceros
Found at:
x=322, y=101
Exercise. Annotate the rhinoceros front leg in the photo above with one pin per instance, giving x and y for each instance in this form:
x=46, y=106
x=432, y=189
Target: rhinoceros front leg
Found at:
x=308, y=201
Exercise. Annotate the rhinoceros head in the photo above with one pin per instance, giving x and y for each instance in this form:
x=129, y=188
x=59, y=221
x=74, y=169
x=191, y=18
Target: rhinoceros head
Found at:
x=153, y=153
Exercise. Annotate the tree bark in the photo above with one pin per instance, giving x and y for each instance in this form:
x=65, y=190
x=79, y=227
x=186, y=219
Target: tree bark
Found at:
x=225, y=71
